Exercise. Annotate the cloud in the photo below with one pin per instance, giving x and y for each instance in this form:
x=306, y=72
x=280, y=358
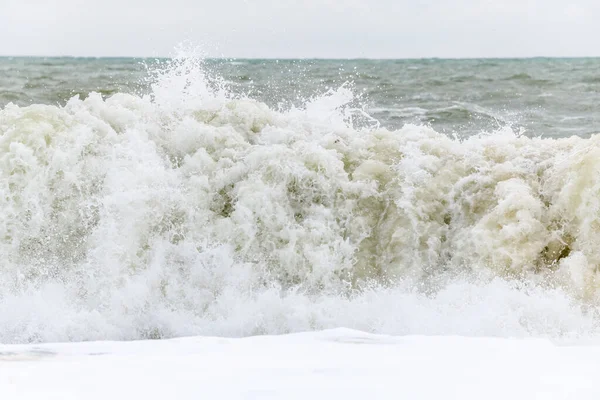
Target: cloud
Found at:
x=302, y=28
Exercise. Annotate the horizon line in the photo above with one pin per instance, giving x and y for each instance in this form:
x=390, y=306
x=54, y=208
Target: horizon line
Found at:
x=308, y=58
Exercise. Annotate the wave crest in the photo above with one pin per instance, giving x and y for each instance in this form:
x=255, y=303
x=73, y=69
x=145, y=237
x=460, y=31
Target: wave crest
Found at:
x=191, y=211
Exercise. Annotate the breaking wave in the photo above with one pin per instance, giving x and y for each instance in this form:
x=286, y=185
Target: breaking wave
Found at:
x=192, y=211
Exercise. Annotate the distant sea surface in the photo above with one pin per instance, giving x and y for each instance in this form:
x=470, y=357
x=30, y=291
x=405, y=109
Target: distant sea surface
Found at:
x=540, y=97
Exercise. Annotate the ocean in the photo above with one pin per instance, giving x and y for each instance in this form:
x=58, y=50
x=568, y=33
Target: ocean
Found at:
x=144, y=198
x=539, y=96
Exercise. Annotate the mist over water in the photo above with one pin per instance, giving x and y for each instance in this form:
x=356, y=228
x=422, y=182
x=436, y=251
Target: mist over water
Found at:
x=188, y=204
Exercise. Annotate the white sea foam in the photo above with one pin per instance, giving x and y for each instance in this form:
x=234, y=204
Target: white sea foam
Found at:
x=338, y=363
x=190, y=211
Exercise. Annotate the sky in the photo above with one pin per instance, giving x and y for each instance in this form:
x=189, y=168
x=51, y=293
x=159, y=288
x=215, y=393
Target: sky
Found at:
x=302, y=28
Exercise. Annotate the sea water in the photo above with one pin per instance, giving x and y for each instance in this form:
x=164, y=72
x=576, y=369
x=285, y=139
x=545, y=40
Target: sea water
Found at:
x=164, y=198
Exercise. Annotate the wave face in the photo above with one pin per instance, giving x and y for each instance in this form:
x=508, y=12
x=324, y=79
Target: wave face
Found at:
x=191, y=211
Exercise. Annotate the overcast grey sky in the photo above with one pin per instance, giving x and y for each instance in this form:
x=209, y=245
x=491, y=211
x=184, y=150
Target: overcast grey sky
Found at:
x=302, y=28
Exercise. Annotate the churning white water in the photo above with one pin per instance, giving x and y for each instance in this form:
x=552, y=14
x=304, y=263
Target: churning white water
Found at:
x=193, y=211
